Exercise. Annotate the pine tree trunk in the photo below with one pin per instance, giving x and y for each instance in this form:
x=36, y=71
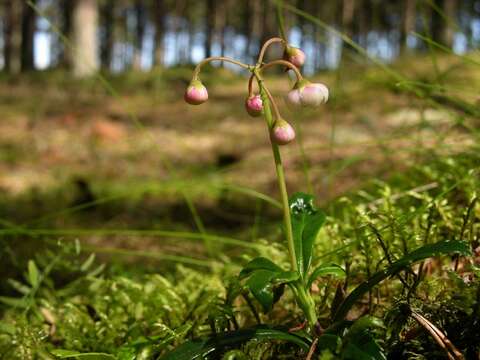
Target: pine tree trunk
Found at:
x=159, y=14
x=13, y=36
x=108, y=23
x=348, y=12
x=140, y=18
x=437, y=24
x=65, y=55
x=449, y=8
x=210, y=27
x=85, y=22
x=28, y=32
x=408, y=23
x=222, y=25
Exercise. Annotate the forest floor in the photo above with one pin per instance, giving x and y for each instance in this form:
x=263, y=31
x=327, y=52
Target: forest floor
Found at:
x=64, y=145
x=141, y=146
x=392, y=158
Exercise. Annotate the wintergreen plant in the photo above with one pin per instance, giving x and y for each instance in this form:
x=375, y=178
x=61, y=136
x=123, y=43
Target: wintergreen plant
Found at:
x=301, y=220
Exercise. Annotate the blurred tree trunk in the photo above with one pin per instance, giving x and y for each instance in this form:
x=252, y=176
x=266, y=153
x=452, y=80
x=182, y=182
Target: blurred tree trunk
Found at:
x=29, y=19
x=65, y=54
x=408, y=23
x=302, y=25
x=107, y=13
x=140, y=19
x=269, y=29
x=85, y=22
x=449, y=8
x=252, y=27
x=210, y=27
x=159, y=22
x=248, y=24
x=222, y=24
x=437, y=24
x=348, y=12
x=268, y=22
x=13, y=36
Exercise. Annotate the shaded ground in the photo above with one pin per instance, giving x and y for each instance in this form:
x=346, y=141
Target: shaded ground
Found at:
x=65, y=145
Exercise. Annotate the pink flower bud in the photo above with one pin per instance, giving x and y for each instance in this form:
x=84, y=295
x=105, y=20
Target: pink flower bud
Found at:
x=314, y=95
x=254, y=105
x=293, y=97
x=282, y=132
x=196, y=93
x=308, y=94
x=294, y=55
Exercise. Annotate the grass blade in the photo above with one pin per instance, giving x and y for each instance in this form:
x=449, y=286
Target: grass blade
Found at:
x=198, y=349
x=430, y=250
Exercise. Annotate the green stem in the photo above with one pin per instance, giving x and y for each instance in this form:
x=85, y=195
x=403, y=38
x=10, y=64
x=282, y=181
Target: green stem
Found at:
x=280, y=175
x=306, y=303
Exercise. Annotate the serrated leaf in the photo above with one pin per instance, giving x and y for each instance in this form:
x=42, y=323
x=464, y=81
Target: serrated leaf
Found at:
x=33, y=275
x=430, y=250
x=307, y=221
x=259, y=263
x=200, y=348
x=323, y=270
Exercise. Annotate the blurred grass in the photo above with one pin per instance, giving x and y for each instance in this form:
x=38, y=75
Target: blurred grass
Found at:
x=59, y=133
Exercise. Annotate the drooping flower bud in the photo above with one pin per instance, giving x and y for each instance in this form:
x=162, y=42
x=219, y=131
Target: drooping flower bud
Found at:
x=282, y=132
x=254, y=105
x=294, y=55
x=314, y=95
x=293, y=97
x=308, y=94
x=196, y=93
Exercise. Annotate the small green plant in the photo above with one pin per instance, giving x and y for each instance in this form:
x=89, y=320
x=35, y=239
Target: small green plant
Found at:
x=302, y=220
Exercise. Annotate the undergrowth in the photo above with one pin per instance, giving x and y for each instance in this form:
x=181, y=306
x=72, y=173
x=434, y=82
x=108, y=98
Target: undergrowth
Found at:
x=70, y=302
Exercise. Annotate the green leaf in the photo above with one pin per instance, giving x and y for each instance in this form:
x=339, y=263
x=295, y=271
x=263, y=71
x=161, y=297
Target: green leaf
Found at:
x=259, y=263
x=264, y=274
x=260, y=284
x=69, y=354
x=284, y=277
x=322, y=270
x=369, y=351
x=88, y=263
x=33, y=275
x=15, y=302
x=200, y=348
x=430, y=250
x=21, y=288
x=6, y=328
x=359, y=341
x=330, y=342
x=307, y=221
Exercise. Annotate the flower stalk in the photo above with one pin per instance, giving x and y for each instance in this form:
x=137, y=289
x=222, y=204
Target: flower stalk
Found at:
x=258, y=103
x=282, y=185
